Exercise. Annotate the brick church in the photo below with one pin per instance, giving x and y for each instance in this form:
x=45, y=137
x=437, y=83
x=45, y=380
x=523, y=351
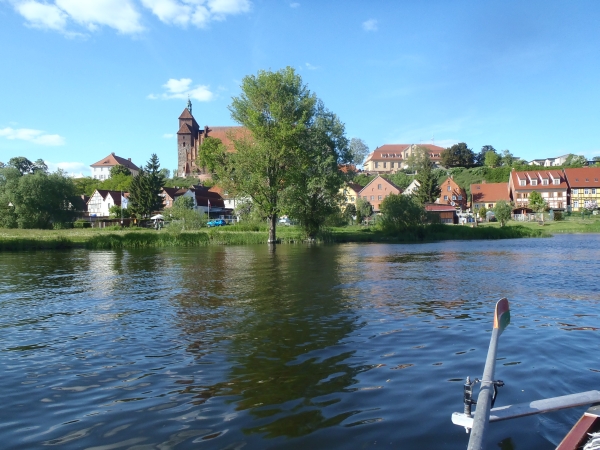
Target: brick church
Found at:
x=190, y=137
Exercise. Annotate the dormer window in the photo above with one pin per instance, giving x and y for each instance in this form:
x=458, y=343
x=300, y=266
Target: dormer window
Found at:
x=534, y=182
x=545, y=182
x=556, y=181
x=521, y=182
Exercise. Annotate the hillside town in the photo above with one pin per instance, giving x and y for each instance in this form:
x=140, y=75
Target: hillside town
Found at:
x=563, y=189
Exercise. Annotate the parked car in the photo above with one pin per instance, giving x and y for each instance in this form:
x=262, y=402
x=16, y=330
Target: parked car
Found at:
x=216, y=223
x=285, y=221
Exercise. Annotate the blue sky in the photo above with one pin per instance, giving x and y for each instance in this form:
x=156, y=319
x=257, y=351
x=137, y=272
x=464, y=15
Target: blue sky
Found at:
x=83, y=78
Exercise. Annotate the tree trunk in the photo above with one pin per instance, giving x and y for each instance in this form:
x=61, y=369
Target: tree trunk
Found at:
x=272, y=225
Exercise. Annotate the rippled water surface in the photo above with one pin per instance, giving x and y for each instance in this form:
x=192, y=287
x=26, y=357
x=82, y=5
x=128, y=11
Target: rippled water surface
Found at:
x=349, y=346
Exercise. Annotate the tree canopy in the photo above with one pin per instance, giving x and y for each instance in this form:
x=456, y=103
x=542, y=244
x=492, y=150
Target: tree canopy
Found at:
x=429, y=189
x=35, y=199
x=502, y=211
x=536, y=202
x=400, y=212
x=358, y=151
x=459, y=155
x=119, y=170
x=145, y=188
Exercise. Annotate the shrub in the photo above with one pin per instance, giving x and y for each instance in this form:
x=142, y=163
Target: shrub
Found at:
x=82, y=224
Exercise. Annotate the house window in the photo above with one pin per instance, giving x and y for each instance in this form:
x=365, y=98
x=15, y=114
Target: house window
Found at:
x=445, y=197
x=454, y=197
x=392, y=165
x=490, y=205
x=521, y=182
x=379, y=197
x=376, y=165
x=384, y=164
x=545, y=182
x=460, y=197
x=518, y=195
x=525, y=195
x=534, y=182
x=575, y=204
x=556, y=181
x=352, y=199
x=372, y=197
x=559, y=194
x=594, y=191
x=449, y=188
x=379, y=186
x=586, y=191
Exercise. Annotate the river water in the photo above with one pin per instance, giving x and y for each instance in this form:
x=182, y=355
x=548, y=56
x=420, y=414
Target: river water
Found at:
x=321, y=347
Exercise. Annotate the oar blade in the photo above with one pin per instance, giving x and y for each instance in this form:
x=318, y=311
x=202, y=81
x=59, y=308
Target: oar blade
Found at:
x=502, y=315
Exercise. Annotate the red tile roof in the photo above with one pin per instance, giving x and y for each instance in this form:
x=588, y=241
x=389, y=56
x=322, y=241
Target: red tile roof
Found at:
x=490, y=192
x=538, y=175
x=186, y=114
x=184, y=128
x=439, y=207
x=395, y=151
x=583, y=177
x=114, y=160
x=226, y=134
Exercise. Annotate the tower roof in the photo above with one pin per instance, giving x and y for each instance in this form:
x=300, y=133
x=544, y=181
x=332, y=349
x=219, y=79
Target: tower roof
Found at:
x=186, y=114
x=184, y=129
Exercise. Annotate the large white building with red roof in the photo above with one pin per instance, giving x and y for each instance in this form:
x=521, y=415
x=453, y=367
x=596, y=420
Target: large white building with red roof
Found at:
x=101, y=169
x=390, y=158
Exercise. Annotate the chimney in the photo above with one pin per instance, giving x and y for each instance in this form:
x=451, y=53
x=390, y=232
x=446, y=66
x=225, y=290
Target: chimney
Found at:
x=129, y=159
x=113, y=153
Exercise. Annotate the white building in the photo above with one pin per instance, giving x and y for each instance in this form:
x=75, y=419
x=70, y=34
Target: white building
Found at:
x=101, y=169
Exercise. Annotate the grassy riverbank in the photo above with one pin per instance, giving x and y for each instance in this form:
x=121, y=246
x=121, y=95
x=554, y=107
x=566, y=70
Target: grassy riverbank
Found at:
x=105, y=239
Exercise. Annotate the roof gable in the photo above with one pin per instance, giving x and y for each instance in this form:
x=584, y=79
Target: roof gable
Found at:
x=114, y=160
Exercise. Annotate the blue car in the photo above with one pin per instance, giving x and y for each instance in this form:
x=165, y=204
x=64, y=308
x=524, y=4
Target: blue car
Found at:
x=216, y=223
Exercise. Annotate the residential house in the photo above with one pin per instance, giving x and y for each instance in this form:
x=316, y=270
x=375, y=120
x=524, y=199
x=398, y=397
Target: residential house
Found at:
x=440, y=213
x=412, y=187
x=351, y=192
x=452, y=194
x=551, y=184
x=170, y=194
x=101, y=169
x=390, y=158
x=102, y=200
x=378, y=189
x=585, y=186
x=549, y=162
x=206, y=201
x=488, y=194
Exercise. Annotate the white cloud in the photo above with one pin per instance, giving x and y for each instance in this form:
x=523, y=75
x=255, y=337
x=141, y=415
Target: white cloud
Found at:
x=73, y=169
x=195, y=12
x=370, y=25
x=168, y=135
x=35, y=136
x=294, y=5
x=309, y=66
x=182, y=89
x=41, y=15
x=122, y=15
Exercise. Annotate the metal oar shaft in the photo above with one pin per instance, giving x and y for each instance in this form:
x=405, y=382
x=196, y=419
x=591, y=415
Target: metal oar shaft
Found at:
x=484, y=401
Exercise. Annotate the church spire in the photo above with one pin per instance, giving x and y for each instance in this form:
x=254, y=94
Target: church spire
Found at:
x=189, y=105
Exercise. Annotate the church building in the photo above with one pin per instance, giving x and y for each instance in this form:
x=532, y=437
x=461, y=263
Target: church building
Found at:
x=190, y=137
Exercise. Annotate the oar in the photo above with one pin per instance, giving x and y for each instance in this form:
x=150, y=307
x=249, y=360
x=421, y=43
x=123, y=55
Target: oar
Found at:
x=484, y=401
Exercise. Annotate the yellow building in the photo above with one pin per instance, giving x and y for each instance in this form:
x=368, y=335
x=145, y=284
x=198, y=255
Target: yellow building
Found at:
x=390, y=158
x=584, y=184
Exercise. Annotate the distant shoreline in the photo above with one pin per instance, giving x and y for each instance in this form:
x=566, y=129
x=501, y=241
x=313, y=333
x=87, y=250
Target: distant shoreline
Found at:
x=29, y=240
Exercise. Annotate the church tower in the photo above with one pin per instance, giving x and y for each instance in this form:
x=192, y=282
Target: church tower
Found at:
x=187, y=142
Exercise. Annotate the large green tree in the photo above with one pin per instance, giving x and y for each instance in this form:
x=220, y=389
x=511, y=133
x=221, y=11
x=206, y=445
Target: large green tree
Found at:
x=429, y=189
x=119, y=170
x=400, y=212
x=480, y=157
x=36, y=199
x=459, y=155
x=314, y=190
x=492, y=159
x=364, y=209
x=278, y=111
x=145, y=188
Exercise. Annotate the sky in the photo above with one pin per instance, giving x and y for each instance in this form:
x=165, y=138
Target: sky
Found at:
x=80, y=79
